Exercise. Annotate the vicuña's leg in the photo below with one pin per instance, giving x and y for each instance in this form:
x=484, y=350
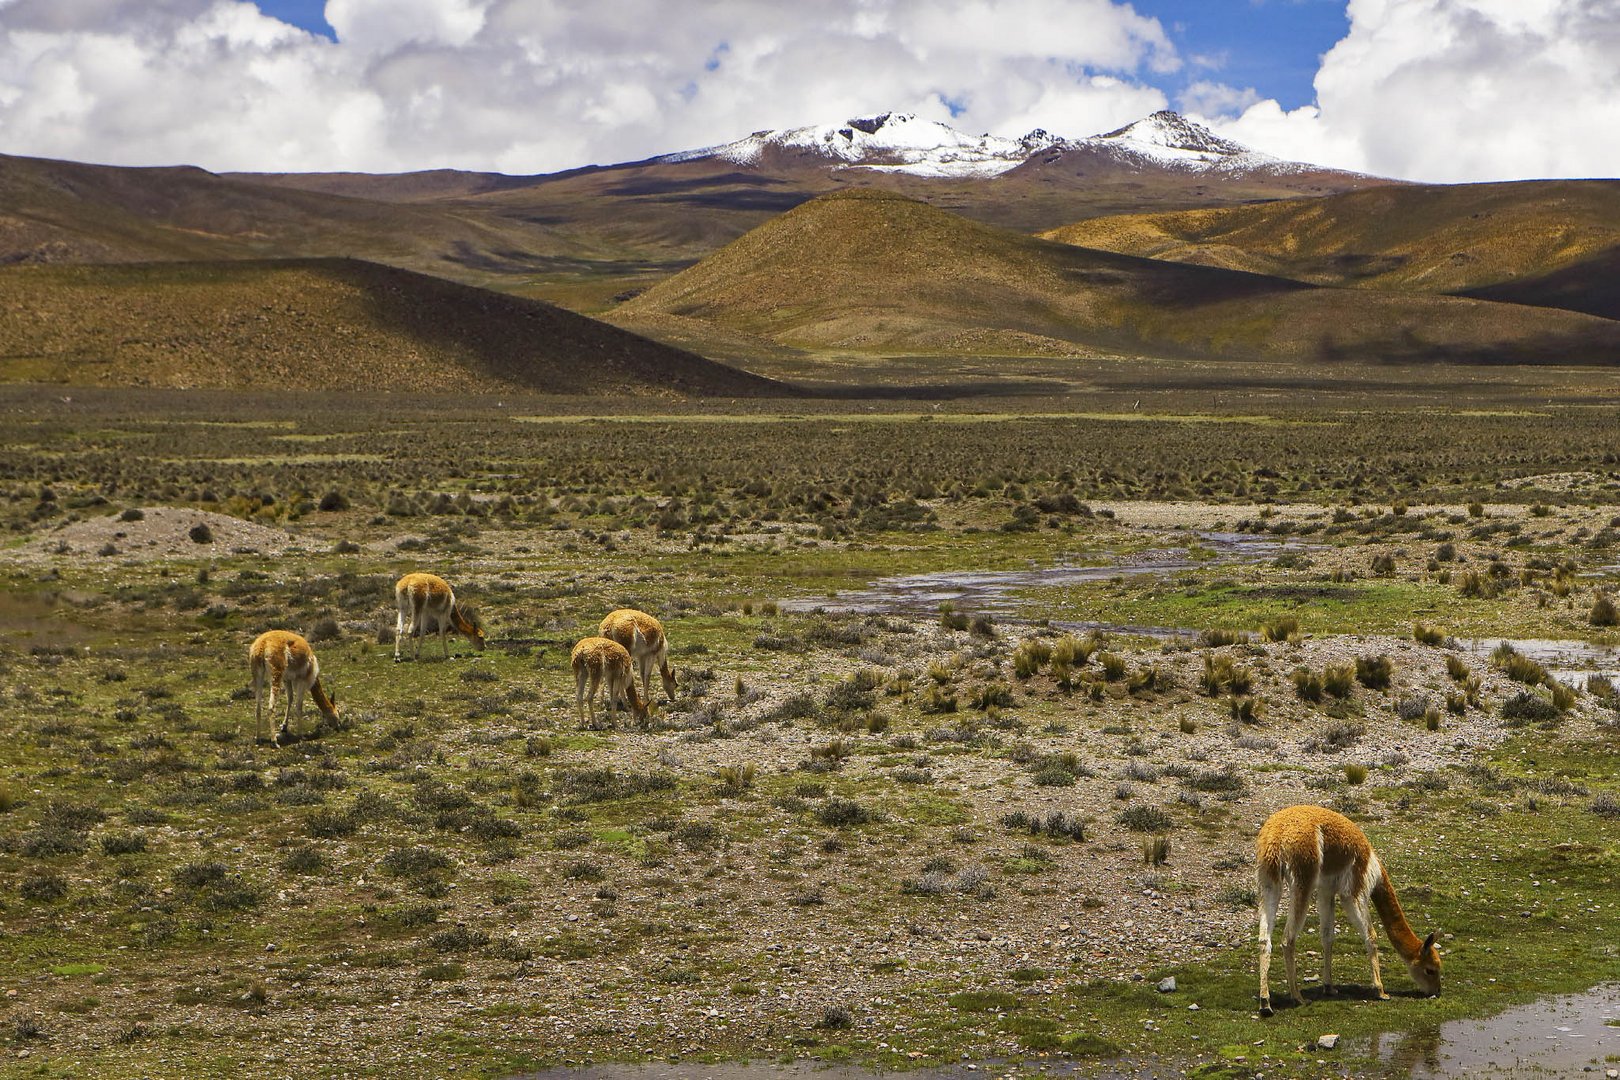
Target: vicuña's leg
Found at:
x=1270, y=893
x=258, y=702
x=399, y=631
x=590, y=695
x=1324, y=916
x=1356, y=912
x=1299, y=906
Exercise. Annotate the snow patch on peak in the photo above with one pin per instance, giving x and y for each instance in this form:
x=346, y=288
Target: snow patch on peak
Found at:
x=888, y=142
x=905, y=143
x=1169, y=140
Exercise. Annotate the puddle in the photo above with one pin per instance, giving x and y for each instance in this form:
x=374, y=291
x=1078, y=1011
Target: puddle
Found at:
x=1560, y=1036
x=999, y=592
x=1568, y=661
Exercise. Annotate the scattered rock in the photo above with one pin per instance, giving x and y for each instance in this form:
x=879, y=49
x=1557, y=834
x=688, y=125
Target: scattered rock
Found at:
x=1167, y=986
x=1326, y=1042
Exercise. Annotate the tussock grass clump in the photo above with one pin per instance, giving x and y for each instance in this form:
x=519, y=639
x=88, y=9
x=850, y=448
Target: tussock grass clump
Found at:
x=604, y=785
x=1427, y=634
x=1030, y=656
x=1150, y=678
x=735, y=779
x=991, y=695
x=1220, y=637
x=1374, y=672
x=1355, y=774
x=1247, y=710
x=1285, y=628
x=42, y=887
x=1339, y=680
x=1602, y=688
x=1156, y=850
x=1307, y=684
x=1053, y=823
x=937, y=699
x=793, y=707
x=840, y=812
x=1227, y=781
x=414, y=861
x=1145, y=817
x=123, y=843
x=1112, y=664
x=1223, y=674
x=1337, y=736
x=1518, y=667
x=1528, y=707
x=1604, y=612
x=1456, y=667
x=1562, y=695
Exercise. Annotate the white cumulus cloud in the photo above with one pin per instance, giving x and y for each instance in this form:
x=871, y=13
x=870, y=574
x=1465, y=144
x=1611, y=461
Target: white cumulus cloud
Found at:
x=539, y=85
x=1458, y=90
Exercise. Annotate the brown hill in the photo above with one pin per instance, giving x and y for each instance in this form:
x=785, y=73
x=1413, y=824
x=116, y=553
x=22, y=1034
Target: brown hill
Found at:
x=1545, y=242
x=323, y=324
x=65, y=212
x=874, y=272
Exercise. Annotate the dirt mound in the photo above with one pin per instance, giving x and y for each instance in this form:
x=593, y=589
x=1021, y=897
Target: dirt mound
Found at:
x=161, y=532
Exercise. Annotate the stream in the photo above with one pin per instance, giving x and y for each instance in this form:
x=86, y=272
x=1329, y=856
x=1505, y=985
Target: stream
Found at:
x=997, y=592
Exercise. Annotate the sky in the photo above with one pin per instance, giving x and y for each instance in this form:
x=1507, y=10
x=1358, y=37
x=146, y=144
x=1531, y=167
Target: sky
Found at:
x=1436, y=90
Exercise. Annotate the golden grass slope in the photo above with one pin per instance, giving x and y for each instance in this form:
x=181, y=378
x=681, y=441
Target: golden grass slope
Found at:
x=1466, y=238
x=874, y=272
x=322, y=324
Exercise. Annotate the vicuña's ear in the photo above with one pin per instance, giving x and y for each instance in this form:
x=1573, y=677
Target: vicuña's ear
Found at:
x=1428, y=942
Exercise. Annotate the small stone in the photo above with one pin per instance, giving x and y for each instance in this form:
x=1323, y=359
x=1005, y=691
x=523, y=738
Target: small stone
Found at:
x=1327, y=1042
x=1167, y=986
x=270, y=947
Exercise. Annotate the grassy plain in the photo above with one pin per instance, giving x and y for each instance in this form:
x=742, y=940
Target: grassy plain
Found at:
x=896, y=839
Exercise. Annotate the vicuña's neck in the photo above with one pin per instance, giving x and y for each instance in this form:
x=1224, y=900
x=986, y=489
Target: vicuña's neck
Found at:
x=322, y=702
x=463, y=624
x=1407, y=943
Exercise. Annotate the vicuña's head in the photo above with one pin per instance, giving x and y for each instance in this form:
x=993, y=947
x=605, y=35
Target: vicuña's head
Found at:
x=668, y=674
x=1426, y=967
x=473, y=628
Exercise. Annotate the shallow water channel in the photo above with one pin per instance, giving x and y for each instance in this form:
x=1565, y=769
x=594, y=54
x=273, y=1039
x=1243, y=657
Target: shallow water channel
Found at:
x=1004, y=595
x=1001, y=593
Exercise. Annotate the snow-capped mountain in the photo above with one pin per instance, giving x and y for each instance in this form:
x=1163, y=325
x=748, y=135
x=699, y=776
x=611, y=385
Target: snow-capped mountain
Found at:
x=888, y=142
x=1169, y=140
x=905, y=143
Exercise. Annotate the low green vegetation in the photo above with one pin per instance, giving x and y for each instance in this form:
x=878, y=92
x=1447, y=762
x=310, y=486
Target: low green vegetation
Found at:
x=887, y=837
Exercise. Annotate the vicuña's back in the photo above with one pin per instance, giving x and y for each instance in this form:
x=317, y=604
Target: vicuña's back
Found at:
x=1314, y=850
x=643, y=635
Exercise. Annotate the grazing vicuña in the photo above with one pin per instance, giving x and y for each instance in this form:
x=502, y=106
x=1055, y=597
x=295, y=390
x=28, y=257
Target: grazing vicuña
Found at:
x=1313, y=849
x=601, y=661
x=427, y=605
x=284, y=660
